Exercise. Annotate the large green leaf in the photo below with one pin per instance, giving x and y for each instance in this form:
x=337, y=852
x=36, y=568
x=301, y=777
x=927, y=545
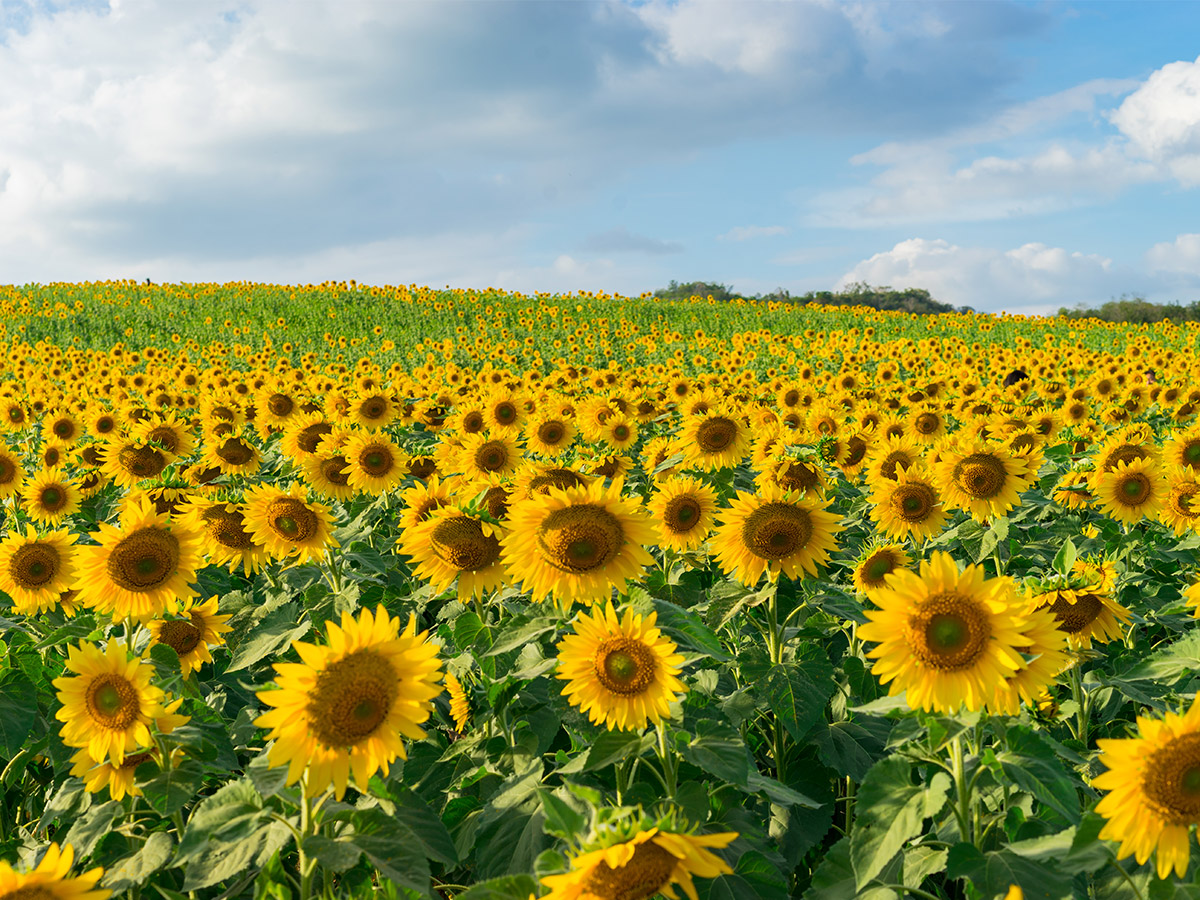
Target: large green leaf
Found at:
x=992, y=873
x=392, y=848
x=139, y=865
x=18, y=711
x=169, y=791
x=274, y=633
x=797, y=692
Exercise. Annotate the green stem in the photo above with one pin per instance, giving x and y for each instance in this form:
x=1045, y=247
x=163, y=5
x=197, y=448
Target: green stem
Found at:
x=335, y=573
x=962, y=808
x=1132, y=886
x=308, y=867
x=668, y=759
x=1082, y=727
x=850, y=792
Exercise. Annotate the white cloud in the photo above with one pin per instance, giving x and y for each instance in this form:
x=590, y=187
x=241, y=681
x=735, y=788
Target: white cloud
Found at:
x=1031, y=278
x=750, y=232
x=1162, y=120
x=1179, y=256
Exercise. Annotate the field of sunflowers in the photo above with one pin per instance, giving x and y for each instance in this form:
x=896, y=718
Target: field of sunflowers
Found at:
x=346, y=591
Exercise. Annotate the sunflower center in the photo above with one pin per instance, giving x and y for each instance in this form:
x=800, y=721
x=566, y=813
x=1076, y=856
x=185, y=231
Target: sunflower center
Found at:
x=856, y=449
x=280, y=405
x=505, y=413
x=1135, y=489
x=624, y=665
x=646, y=873
x=64, y=428
x=554, y=478
x=34, y=565
x=421, y=467
x=797, y=477
x=291, y=519
x=580, y=538
x=913, y=502
x=1126, y=453
x=145, y=560
x=53, y=499
x=496, y=501
x=927, y=423
x=7, y=470
x=1171, y=781
x=491, y=456
x=1074, y=617
x=1184, y=499
x=227, y=528
x=1191, y=454
x=141, y=460
x=716, y=433
x=472, y=422
x=887, y=468
x=236, y=452
x=311, y=435
x=949, y=631
x=373, y=408
x=376, y=461
x=352, y=698
x=461, y=543
x=776, y=530
x=550, y=433
x=980, y=476
x=878, y=566
x=166, y=436
x=113, y=702
x=334, y=470
x=180, y=636
x=682, y=514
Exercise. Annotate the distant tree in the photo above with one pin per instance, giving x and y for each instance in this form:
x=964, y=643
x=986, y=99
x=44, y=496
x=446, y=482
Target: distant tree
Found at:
x=1135, y=309
x=676, y=291
x=910, y=300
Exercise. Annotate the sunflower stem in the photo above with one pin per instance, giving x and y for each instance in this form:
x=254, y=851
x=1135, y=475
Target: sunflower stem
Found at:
x=963, y=810
x=335, y=573
x=667, y=758
x=307, y=866
x=1082, y=727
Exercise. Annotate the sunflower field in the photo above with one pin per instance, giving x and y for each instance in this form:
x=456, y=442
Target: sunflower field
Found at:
x=344, y=591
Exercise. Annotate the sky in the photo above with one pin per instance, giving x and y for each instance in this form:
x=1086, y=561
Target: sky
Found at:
x=1016, y=156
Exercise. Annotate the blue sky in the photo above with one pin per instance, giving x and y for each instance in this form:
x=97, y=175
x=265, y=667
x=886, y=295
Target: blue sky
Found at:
x=1003, y=155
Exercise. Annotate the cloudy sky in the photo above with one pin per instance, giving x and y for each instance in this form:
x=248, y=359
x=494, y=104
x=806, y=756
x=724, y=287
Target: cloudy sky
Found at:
x=1005, y=155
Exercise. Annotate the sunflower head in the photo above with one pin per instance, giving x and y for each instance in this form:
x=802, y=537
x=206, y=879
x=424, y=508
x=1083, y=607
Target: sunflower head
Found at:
x=875, y=563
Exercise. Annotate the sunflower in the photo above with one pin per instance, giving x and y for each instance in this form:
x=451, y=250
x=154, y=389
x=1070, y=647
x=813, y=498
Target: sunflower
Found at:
x=716, y=439
x=577, y=543
x=375, y=464
x=1183, y=449
x=109, y=704
x=875, y=563
x=302, y=435
x=1044, y=656
x=50, y=496
x=192, y=636
x=642, y=866
x=660, y=460
x=536, y=478
x=981, y=478
x=327, y=475
x=774, y=531
x=287, y=523
x=51, y=880
x=451, y=544
x=549, y=435
x=620, y=432
x=1153, y=789
x=682, y=509
x=118, y=779
x=168, y=431
x=482, y=454
x=1181, y=506
x=12, y=474
x=1124, y=447
x=1131, y=490
x=345, y=707
x=909, y=505
x=946, y=638
x=35, y=569
x=421, y=500
x=232, y=454
x=1073, y=492
x=1085, y=611
x=373, y=410
x=460, y=706
x=225, y=539
x=62, y=426
x=129, y=461
x=102, y=423
x=140, y=569
x=622, y=673
x=926, y=423
x=890, y=455
x=275, y=408
x=801, y=476
x=502, y=409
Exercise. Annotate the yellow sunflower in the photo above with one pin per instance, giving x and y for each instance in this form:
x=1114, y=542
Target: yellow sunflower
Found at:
x=875, y=563
x=225, y=539
x=621, y=672
x=642, y=866
x=981, y=478
x=1152, y=789
x=1044, y=657
x=345, y=708
x=1086, y=611
x=1181, y=505
x=373, y=410
x=1131, y=490
x=948, y=639
x=715, y=439
x=287, y=523
x=1073, y=492
x=232, y=454
x=451, y=544
x=1183, y=449
x=50, y=496
x=191, y=636
x=327, y=475
x=578, y=543
x=141, y=569
x=51, y=880
x=537, y=478
x=109, y=704
x=484, y=454
x=908, y=505
x=774, y=531
x=890, y=454
x=12, y=474
x=168, y=431
x=549, y=435
x=303, y=434
x=129, y=461
x=375, y=464
x=419, y=501
x=35, y=569
x=460, y=706
x=682, y=509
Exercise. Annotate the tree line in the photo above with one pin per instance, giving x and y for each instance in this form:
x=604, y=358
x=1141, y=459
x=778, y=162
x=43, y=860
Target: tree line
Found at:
x=909, y=300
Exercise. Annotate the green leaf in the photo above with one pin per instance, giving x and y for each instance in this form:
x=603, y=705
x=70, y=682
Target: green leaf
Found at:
x=18, y=712
x=169, y=791
x=996, y=534
x=408, y=807
x=275, y=632
x=232, y=857
x=95, y=823
x=778, y=792
x=514, y=636
x=1168, y=664
x=140, y=865
x=718, y=750
x=1064, y=560
x=798, y=693
x=563, y=819
x=236, y=810
x=889, y=811
x=335, y=854
x=761, y=876
x=920, y=863
x=852, y=747
x=684, y=627
x=993, y=872
x=467, y=629
x=1031, y=764
x=506, y=887
x=835, y=879
x=392, y=848
x=611, y=747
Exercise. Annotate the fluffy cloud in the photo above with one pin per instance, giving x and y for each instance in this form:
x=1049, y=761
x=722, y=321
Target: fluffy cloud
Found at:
x=1161, y=119
x=1032, y=278
x=1181, y=256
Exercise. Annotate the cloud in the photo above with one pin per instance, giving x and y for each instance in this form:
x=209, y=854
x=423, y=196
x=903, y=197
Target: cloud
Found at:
x=1161, y=119
x=750, y=232
x=1179, y=256
x=1032, y=278
x=619, y=240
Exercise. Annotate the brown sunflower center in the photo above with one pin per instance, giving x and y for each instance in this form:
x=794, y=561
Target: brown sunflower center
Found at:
x=461, y=543
x=144, y=560
x=1074, y=617
x=421, y=467
x=352, y=698
x=1190, y=454
x=166, y=436
x=1183, y=501
x=8, y=471
x=1171, y=781
x=141, y=460
x=877, y=566
x=495, y=501
x=624, y=665
x=505, y=412
x=291, y=520
x=235, y=451
x=777, y=530
x=376, y=460
x=34, y=565
x=716, y=433
x=554, y=478
x=112, y=702
x=887, y=468
x=927, y=423
x=491, y=456
x=580, y=538
x=913, y=502
x=797, y=476
x=856, y=449
x=472, y=422
x=1134, y=489
x=980, y=476
x=551, y=433
x=1125, y=453
x=91, y=455
x=373, y=408
x=52, y=498
x=280, y=405
x=311, y=435
x=227, y=528
x=64, y=429
x=682, y=514
x=333, y=470
x=180, y=636
x=949, y=631
x=646, y=873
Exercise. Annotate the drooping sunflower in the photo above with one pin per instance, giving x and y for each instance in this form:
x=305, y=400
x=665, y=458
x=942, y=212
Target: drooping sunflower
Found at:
x=715, y=439
x=346, y=707
x=169, y=431
x=287, y=523
x=302, y=435
x=641, y=866
x=1073, y=491
x=451, y=544
x=621, y=672
x=909, y=505
x=889, y=455
x=141, y=569
x=109, y=704
x=1131, y=490
x=199, y=628
x=577, y=543
x=51, y=879
x=537, y=478
x=682, y=509
x=118, y=779
x=225, y=538
x=232, y=454
x=129, y=461
x=946, y=638
x=1153, y=789
x=875, y=563
x=981, y=478
x=791, y=474
x=50, y=496
x=35, y=569
x=774, y=531
x=1084, y=611
x=375, y=464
